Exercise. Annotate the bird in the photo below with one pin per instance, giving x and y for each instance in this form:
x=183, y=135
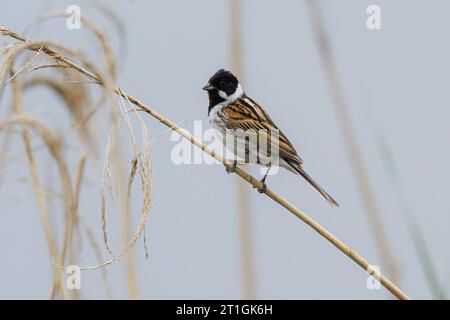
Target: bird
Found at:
x=240, y=122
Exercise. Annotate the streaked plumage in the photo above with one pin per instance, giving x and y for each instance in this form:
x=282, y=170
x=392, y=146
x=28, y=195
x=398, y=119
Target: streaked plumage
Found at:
x=231, y=109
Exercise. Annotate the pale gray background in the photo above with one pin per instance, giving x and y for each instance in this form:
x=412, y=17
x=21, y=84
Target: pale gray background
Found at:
x=397, y=78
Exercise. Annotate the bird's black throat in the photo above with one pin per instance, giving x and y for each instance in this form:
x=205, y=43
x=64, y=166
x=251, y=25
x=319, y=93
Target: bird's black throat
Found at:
x=214, y=99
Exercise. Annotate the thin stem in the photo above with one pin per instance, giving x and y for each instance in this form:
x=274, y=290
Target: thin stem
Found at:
x=243, y=194
x=58, y=280
x=354, y=153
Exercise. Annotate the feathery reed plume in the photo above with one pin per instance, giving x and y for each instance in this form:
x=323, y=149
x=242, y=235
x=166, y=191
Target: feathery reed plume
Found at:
x=352, y=254
x=75, y=96
x=243, y=194
x=360, y=173
x=109, y=80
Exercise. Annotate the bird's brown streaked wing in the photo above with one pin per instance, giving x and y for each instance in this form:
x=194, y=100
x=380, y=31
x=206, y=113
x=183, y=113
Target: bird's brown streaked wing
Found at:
x=246, y=114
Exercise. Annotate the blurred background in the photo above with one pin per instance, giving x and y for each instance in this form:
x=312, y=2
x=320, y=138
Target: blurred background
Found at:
x=366, y=109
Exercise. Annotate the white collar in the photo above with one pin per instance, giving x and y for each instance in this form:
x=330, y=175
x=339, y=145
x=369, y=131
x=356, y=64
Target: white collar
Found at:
x=236, y=95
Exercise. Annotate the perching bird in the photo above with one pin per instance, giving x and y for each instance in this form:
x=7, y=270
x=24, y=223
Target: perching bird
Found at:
x=239, y=120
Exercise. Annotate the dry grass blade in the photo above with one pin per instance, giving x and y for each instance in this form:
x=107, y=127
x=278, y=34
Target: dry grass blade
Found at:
x=58, y=281
x=95, y=245
x=76, y=98
x=101, y=38
x=53, y=146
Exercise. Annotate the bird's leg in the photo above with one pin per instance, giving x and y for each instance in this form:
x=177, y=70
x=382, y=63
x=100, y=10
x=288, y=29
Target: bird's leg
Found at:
x=233, y=169
x=263, y=189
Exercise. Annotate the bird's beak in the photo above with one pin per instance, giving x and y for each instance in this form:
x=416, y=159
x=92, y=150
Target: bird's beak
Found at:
x=208, y=87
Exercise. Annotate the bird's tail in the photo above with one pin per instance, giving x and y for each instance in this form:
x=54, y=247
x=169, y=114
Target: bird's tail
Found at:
x=315, y=185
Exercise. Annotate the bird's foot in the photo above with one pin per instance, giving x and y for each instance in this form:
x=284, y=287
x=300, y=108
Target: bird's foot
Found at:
x=263, y=188
x=233, y=169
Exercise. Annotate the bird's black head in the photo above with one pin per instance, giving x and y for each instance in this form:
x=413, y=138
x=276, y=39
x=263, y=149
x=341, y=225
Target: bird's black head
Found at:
x=223, y=81
x=223, y=87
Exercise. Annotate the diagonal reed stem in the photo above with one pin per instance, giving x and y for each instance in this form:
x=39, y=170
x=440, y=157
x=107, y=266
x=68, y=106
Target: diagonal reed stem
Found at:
x=349, y=252
x=359, y=170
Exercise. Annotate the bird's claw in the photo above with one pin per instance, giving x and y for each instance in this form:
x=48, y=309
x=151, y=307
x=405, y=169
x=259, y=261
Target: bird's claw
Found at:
x=263, y=189
x=233, y=169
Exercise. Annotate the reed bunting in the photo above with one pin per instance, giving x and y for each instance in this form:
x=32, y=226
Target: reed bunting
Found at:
x=241, y=122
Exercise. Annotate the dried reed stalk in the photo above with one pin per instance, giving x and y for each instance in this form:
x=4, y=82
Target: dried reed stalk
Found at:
x=354, y=153
x=54, y=149
x=58, y=280
x=243, y=194
x=251, y=180
x=108, y=83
